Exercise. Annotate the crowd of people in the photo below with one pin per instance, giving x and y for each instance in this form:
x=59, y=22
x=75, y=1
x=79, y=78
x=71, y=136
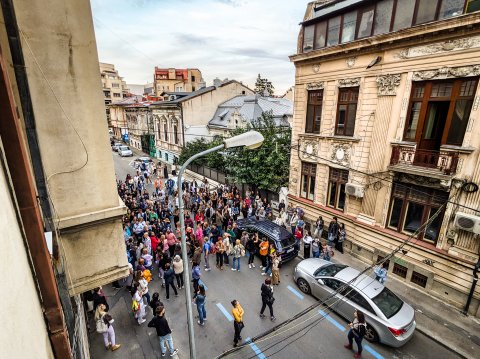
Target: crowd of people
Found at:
x=151, y=229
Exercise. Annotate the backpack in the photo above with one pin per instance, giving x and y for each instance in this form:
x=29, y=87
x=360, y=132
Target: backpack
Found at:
x=362, y=329
x=170, y=183
x=101, y=325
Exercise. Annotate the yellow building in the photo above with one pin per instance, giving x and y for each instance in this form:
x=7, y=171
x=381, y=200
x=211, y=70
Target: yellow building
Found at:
x=61, y=217
x=385, y=134
x=177, y=80
x=114, y=88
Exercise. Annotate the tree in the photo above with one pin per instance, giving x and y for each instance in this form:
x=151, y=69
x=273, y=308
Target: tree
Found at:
x=263, y=86
x=213, y=160
x=268, y=166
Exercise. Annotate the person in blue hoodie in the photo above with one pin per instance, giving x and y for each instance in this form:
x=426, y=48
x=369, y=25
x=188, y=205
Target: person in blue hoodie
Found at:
x=195, y=276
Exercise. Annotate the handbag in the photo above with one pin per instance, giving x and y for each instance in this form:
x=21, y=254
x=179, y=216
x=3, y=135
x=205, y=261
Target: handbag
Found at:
x=241, y=325
x=101, y=326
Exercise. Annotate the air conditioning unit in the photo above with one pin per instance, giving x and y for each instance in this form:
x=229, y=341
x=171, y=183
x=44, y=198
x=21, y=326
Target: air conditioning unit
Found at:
x=354, y=190
x=468, y=222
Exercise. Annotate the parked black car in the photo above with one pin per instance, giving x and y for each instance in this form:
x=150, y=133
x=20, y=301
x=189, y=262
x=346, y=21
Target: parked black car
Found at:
x=282, y=239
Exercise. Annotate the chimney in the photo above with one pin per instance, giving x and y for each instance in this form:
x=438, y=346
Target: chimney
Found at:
x=217, y=82
x=202, y=84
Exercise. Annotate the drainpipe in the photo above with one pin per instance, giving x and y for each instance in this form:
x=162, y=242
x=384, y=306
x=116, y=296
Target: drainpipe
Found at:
x=24, y=187
x=472, y=289
x=180, y=107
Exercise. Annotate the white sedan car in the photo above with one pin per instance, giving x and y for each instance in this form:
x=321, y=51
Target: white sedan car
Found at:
x=125, y=151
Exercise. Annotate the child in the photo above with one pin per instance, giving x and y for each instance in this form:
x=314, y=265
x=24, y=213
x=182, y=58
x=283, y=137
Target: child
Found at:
x=155, y=302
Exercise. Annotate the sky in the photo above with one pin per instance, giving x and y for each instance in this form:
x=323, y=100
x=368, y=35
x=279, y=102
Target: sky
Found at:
x=234, y=39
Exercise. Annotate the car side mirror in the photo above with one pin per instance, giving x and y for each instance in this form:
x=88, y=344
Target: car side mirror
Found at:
x=320, y=281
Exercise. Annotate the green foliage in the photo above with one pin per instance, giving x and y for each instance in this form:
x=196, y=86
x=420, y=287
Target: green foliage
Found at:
x=263, y=85
x=213, y=160
x=268, y=166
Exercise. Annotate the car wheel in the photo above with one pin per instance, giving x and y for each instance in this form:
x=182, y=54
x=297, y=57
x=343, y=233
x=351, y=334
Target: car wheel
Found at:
x=303, y=285
x=371, y=335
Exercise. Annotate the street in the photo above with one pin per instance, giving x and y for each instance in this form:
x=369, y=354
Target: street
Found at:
x=323, y=339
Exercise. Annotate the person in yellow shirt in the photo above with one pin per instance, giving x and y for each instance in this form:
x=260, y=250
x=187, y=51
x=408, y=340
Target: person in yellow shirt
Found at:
x=264, y=252
x=237, y=312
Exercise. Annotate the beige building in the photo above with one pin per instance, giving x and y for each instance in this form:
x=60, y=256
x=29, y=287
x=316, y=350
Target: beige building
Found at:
x=61, y=215
x=114, y=88
x=118, y=117
x=385, y=134
x=185, y=116
x=177, y=80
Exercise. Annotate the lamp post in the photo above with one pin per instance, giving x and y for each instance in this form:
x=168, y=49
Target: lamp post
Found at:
x=249, y=140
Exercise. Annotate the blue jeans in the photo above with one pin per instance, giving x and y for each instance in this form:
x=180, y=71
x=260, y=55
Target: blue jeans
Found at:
x=166, y=338
x=202, y=313
x=236, y=261
x=358, y=340
x=316, y=254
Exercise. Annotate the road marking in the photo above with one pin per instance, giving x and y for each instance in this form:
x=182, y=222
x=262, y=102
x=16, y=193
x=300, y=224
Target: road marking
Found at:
x=369, y=349
x=225, y=312
x=255, y=349
x=294, y=291
x=200, y=282
x=331, y=320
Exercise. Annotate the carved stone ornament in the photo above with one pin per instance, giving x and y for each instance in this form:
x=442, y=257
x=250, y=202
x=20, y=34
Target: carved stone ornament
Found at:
x=316, y=68
x=341, y=154
x=439, y=47
x=309, y=150
x=315, y=85
x=351, y=61
x=447, y=72
x=387, y=84
x=349, y=82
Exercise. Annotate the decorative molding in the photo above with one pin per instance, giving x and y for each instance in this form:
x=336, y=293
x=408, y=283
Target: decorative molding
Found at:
x=315, y=85
x=353, y=82
x=341, y=153
x=387, y=84
x=447, y=72
x=439, y=47
x=351, y=61
x=309, y=150
x=316, y=68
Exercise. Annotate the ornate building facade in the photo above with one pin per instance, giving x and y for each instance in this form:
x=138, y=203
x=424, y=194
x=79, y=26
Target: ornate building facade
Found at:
x=385, y=135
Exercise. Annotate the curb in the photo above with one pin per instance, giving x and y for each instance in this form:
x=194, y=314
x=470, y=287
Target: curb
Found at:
x=435, y=338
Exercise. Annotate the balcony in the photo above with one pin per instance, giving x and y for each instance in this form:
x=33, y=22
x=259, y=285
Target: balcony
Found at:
x=439, y=162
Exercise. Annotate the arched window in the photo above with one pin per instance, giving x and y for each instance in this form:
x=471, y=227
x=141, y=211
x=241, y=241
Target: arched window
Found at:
x=165, y=131
x=175, y=134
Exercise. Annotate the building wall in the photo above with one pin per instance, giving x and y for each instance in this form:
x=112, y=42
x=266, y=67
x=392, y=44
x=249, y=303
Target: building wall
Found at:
x=74, y=145
x=380, y=121
x=166, y=119
x=182, y=85
x=21, y=309
x=112, y=83
x=199, y=110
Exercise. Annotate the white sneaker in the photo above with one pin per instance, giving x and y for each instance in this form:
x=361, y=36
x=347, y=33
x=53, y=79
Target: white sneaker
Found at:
x=250, y=266
x=207, y=269
x=270, y=274
x=142, y=321
x=263, y=273
x=233, y=269
x=253, y=265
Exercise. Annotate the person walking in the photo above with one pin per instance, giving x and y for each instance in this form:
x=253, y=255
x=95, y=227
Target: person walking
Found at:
x=333, y=231
x=267, y=298
x=358, y=329
x=164, y=333
x=207, y=248
x=264, y=252
x=169, y=281
x=178, y=269
x=138, y=306
x=342, y=235
x=307, y=242
x=251, y=247
x=238, y=252
x=143, y=283
x=200, y=299
x=104, y=325
x=276, y=269
x=237, y=312
x=195, y=276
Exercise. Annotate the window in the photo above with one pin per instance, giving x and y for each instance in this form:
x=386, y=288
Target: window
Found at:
x=473, y=5
x=333, y=283
x=314, y=111
x=175, y=134
x=193, y=78
x=451, y=8
x=403, y=14
x=349, y=26
x=426, y=10
x=411, y=206
x=329, y=271
x=358, y=299
x=400, y=270
x=308, y=33
x=336, y=188
x=166, y=157
x=440, y=111
x=116, y=86
x=419, y=279
x=165, y=131
x=388, y=302
x=383, y=17
x=320, y=34
x=309, y=172
x=116, y=94
x=365, y=22
x=347, y=110
x=333, y=34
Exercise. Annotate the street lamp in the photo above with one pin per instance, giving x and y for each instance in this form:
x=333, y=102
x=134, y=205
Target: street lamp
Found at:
x=249, y=140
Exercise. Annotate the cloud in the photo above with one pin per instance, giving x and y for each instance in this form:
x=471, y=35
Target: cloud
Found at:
x=191, y=39
x=256, y=53
x=234, y=3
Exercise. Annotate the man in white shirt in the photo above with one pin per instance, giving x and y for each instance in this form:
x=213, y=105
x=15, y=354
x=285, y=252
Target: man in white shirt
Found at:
x=307, y=243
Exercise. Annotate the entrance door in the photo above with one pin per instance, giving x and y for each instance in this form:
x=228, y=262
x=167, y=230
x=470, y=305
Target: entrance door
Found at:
x=431, y=136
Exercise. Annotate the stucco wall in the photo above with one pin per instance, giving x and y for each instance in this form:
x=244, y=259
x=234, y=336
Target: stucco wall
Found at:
x=23, y=333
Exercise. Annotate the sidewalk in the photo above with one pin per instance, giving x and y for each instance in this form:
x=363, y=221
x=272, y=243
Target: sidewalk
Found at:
x=437, y=320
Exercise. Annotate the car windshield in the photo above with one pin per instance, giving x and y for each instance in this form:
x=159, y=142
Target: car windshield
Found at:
x=329, y=270
x=388, y=302
x=124, y=148
x=287, y=241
